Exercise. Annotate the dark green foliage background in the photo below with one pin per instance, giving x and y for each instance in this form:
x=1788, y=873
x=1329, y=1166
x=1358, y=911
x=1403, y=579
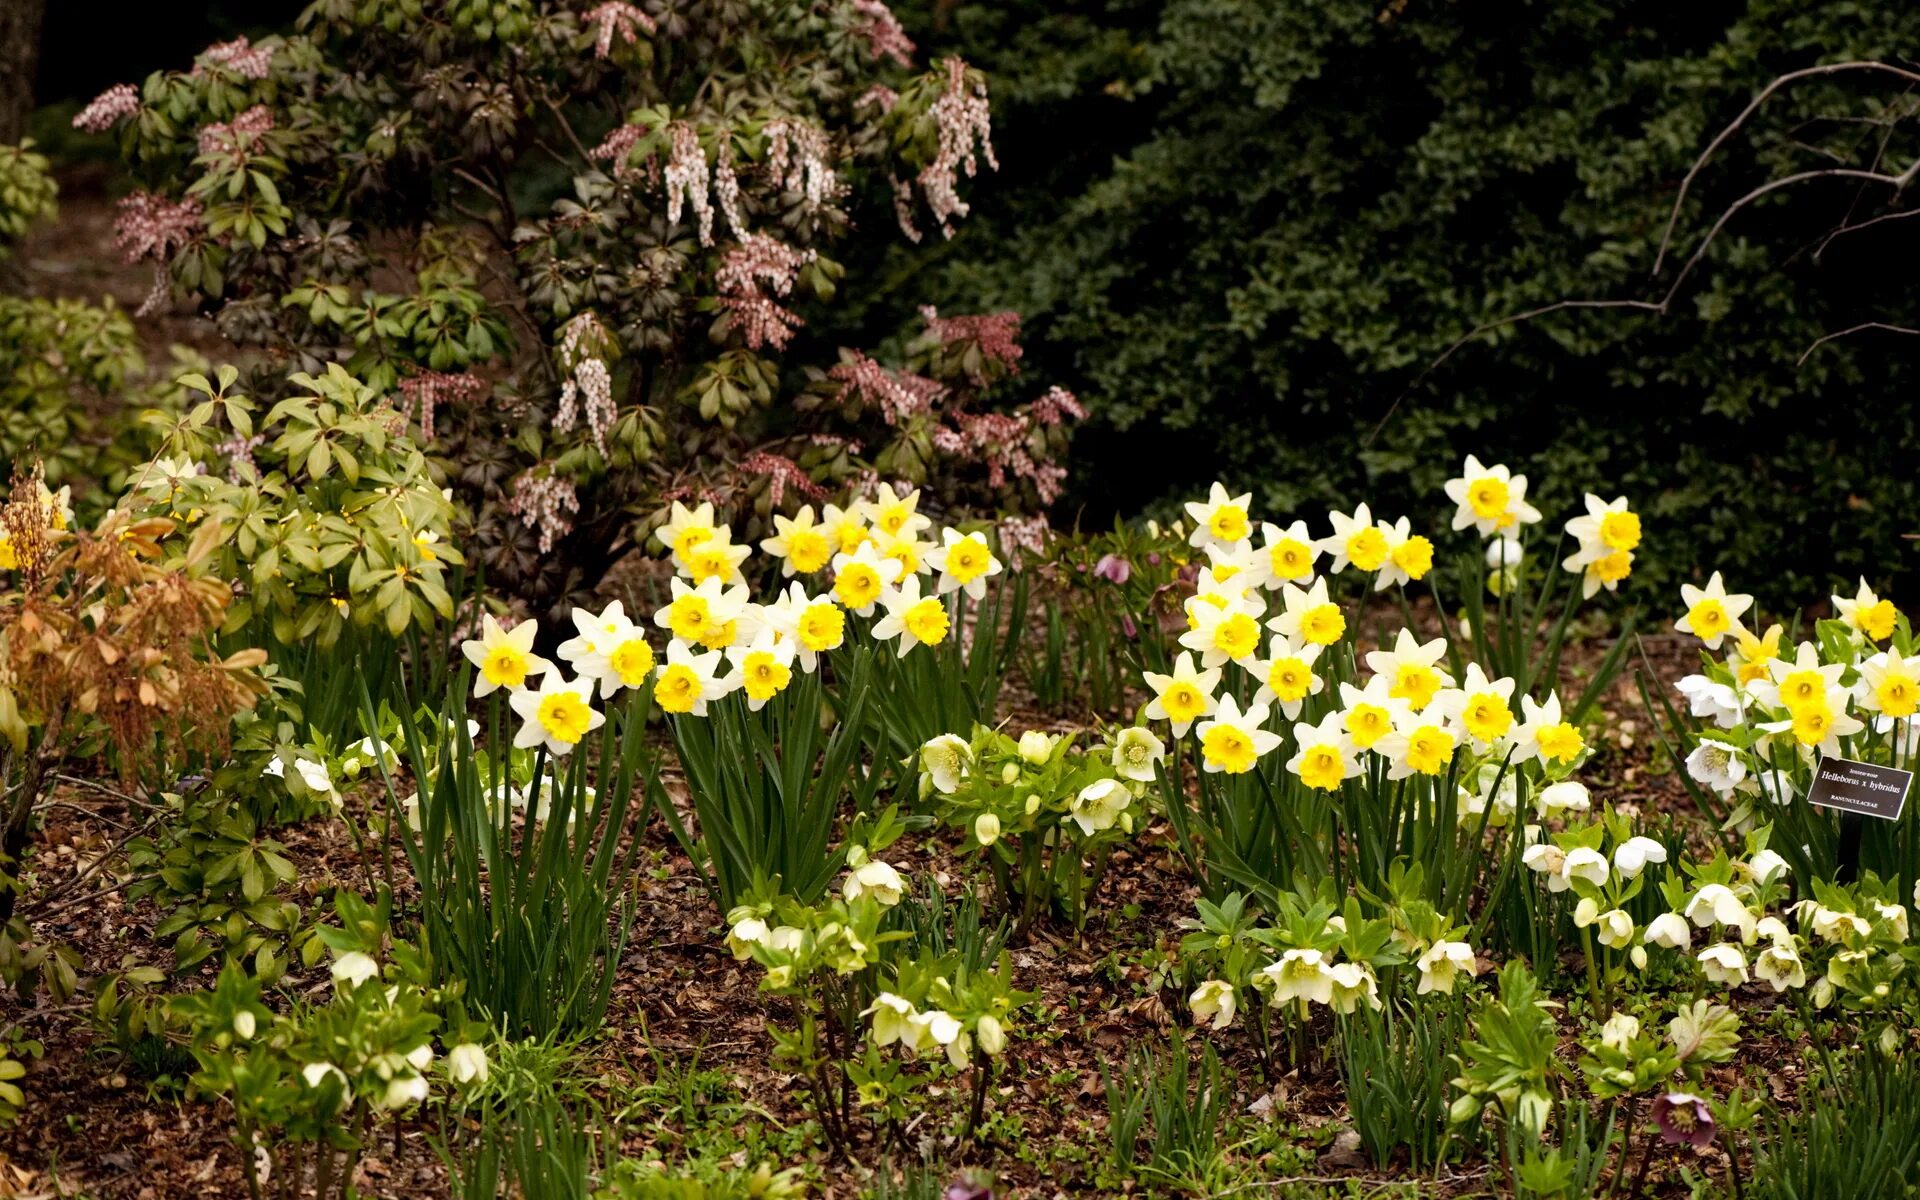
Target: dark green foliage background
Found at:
x=1241, y=228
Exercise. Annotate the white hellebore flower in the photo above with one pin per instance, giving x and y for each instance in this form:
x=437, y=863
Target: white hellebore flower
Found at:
x=1136, y=752
x=946, y=760
x=1717, y=765
x=1767, y=866
x=1632, y=856
x=1569, y=795
x=1214, y=1001
x=1779, y=965
x=1442, y=963
x=892, y=1019
x=877, y=879
x=1300, y=974
x=1615, y=928
x=1723, y=963
x=1036, y=747
x=467, y=1063
x=1099, y=805
x=354, y=968
x=1715, y=904
x=1670, y=930
x=1587, y=864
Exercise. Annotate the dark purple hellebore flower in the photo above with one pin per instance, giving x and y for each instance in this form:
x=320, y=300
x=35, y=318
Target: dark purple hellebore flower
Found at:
x=1113, y=569
x=1683, y=1117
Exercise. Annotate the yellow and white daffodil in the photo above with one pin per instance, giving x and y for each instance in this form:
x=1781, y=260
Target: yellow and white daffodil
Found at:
x=802, y=545
x=1544, y=734
x=859, y=578
x=1370, y=713
x=704, y=615
x=1183, y=697
x=895, y=514
x=1409, y=556
x=718, y=557
x=609, y=648
x=559, y=714
x=762, y=669
x=688, y=681
x=1411, y=668
x=964, y=562
x=814, y=624
x=1223, y=635
x=504, y=657
x=915, y=619
x=1220, y=517
x=1233, y=741
x=685, y=528
x=1867, y=613
x=1420, y=743
x=1483, y=708
x=845, y=527
x=1308, y=616
x=1492, y=500
x=1325, y=755
x=1712, y=613
x=1286, y=675
x=1287, y=554
x=1889, y=684
x=1356, y=539
x=1795, y=683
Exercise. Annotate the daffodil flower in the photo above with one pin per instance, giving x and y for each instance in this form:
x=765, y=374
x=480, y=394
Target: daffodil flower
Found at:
x=1182, y=697
x=914, y=619
x=558, y=715
x=1220, y=518
x=964, y=562
x=504, y=657
x=802, y=545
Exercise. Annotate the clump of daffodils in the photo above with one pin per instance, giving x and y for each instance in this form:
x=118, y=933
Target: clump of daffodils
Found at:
x=874, y=569
x=1762, y=711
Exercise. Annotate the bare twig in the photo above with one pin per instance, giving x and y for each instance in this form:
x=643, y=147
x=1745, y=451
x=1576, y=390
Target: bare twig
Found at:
x=1863, y=327
x=1859, y=225
x=1791, y=77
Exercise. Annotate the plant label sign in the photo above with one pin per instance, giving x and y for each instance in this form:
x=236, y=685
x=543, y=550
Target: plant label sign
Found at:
x=1862, y=788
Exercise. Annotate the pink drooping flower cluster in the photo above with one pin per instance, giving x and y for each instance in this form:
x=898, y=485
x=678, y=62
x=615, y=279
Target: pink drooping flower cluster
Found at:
x=108, y=109
x=1003, y=442
x=429, y=390
x=588, y=380
x=726, y=189
x=240, y=56
x=616, y=19
x=236, y=136
x=687, y=180
x=546, y=504
x=782, y=473
x=616, y=147
x=885, y=37
x=897, y=394
x=752, y=279
x=151, y=226
x=996, y=334
x=800, y=160
x=965, y=124
x=1058, y=407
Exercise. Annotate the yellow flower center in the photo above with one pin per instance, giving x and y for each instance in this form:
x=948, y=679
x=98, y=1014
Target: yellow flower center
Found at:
x=632, y=660
x=1415, y=683
x=763, y=675
x=1322, y=767
x=1489, y=497
x=1810, y=724
x=1897, y=695
x=1183, y=701
x=1322, y=624
x=1229, y=749
x=1229, y=523
x=1487, y=716
x=968, y=559
x=893, y=518
x=1290, y=679
x=1237, y=636
x=1367, y=548
x=709, y=562
x=505, y=667
x=822, y=626
x=1620, y=530
x=719, y=637
x=1367, y=724
x=689, y=618
x=1612, y=568
x=1561, y=743
x=1877, y=620
x=564, y=716
x=1429, y=749
x=1414, y=556
x=689, y=538
x=808, y=550
x=857, y=585
x=1801, y=688
x=1708, y=618
x=678, y=688
x=1291, y=558
x=926, y=620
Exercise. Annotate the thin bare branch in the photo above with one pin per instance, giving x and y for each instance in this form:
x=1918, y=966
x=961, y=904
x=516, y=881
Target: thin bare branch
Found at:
x=1791, y=77
x=1859, y=225
x=1881, y=326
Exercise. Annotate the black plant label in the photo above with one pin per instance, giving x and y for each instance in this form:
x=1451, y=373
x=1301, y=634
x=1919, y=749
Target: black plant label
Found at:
x=1868, y=789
